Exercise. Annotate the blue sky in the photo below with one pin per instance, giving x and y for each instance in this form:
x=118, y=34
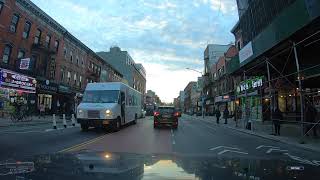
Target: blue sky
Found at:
x=165, y=36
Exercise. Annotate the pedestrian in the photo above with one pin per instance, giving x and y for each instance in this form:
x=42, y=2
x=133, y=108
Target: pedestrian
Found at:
x=42, y=110
x=218, y=114
x=311, y=114
x=277, y=117
x=226, y=115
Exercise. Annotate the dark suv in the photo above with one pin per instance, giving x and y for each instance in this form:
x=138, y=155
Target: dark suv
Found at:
x=165, y=116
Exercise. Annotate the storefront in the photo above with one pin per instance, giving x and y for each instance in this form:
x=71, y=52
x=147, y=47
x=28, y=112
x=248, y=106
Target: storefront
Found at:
x=249, y=95
x=225, y=101
x=47, y=95
x=16, y=88
x=65, y=100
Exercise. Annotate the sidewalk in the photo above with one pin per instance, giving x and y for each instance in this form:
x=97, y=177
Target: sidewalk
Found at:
x=290, y=133
x=6, y=122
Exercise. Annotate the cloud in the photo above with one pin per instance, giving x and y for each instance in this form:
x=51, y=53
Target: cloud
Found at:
x=166, y=36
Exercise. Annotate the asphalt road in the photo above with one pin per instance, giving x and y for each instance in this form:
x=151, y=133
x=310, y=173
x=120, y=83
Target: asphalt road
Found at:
x=193, y=136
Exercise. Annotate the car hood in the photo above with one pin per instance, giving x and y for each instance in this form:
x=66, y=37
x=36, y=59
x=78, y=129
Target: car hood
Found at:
x=96, y=106
x=106, y=165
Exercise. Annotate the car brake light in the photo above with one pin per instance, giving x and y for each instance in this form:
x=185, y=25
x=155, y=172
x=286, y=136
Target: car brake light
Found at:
x=156, y=113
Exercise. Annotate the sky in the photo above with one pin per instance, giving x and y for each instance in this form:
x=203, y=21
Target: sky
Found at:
x=165, y=36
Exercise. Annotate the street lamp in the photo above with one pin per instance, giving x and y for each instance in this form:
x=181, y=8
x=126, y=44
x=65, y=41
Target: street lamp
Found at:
x=202, y=93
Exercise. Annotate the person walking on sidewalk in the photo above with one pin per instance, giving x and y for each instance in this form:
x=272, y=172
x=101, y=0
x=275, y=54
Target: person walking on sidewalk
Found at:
x=218, y=114
x=42, y=110
x=311, y=114
x=226, y=115
x=277, y=117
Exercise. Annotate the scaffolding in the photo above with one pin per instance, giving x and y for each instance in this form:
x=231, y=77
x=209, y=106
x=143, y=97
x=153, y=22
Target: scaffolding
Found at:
x=298, y=73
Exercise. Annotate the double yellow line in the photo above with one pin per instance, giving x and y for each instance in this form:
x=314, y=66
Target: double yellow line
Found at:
x=78, y=146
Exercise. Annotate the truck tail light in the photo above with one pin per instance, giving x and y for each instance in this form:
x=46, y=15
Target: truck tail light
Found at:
x=176, y=114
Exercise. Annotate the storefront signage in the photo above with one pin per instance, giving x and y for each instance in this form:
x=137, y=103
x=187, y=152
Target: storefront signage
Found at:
x=10, y=79
x=245, y=52
x=25, y=63
x=46, y=85
x=225, y=98
x=250, y=84
x=64, y=89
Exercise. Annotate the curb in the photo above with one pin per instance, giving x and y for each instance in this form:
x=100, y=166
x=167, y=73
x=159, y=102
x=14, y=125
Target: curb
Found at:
x=274, y=139
x=271, y=138
x=22, y=125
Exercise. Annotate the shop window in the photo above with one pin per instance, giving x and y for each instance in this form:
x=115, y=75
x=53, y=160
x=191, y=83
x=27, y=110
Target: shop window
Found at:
x=26, y=30
x=56, y=45
x=14, y=22
x=37, y=37
x=48, y=40
x=21, y=54
x=6, y=54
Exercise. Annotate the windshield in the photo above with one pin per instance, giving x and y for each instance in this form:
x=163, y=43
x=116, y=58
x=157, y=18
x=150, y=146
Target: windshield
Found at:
x=226, y=79
x=101, y=96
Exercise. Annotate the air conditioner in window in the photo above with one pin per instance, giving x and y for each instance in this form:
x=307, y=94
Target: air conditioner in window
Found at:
x=12, y=28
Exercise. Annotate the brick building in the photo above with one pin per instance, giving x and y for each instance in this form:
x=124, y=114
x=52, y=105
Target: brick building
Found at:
x=41, y=62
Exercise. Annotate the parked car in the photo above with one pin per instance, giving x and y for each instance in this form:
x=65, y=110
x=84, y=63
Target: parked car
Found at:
x=165, y=116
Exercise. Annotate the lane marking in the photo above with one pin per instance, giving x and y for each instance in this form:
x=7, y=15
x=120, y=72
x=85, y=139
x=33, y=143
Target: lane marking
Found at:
x=276, y=149
x=226, y=147
x=301, y=160
x=263, y=146
x=226, y=150
x=77, y=146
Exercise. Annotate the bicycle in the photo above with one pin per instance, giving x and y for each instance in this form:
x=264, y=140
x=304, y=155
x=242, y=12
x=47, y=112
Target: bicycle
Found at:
x=20, y=115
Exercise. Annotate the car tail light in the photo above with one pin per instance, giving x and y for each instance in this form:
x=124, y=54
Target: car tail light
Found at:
x=176, y=114
x=156, y=113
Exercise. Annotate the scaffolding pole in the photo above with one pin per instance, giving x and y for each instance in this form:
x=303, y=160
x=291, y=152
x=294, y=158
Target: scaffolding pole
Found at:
x=300, y=88
x=270, y=95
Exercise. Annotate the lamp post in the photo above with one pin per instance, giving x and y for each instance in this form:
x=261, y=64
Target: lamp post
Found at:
x=202, y=93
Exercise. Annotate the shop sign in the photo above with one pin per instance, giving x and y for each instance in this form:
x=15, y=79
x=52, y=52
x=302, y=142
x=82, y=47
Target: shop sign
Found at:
x=46, y=85
x=250, y=84
x=64, y=89
x=222, y=98
x=25, y=63
x=245, y=52
x=10, y=79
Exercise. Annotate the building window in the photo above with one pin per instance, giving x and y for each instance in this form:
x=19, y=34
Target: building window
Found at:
x=62, y=74
x=77, y=60
x=48, y=40
x=71, y=57
x=82, y=62
x=6, y=54
x=56, y=45
x=1, y=6
x=69, y=76
x=80, y=81
x=26, y=30
x=65, y=52
x=14, y=23
x=21, y=54
x=37, y=38
x=75, y=78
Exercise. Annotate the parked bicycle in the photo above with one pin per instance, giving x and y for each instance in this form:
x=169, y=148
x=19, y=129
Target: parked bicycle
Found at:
x=20, y=113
